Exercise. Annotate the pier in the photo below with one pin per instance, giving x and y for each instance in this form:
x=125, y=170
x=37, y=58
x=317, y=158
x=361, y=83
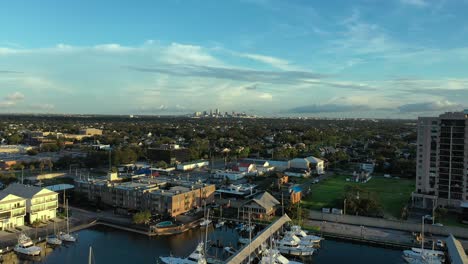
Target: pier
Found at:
x=242, y=256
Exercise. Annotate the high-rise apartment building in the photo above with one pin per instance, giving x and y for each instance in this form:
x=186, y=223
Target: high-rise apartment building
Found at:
x=442, y=161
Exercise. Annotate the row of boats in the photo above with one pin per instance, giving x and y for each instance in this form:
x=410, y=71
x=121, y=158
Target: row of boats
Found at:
x=26, y=246
x=295, y=242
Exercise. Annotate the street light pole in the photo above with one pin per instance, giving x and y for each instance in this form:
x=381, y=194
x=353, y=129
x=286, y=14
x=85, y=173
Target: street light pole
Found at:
x=344, y=206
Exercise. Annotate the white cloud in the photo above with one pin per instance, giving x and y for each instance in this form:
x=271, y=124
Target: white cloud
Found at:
x=273, y=61
x=189, y=54
x=16, y=96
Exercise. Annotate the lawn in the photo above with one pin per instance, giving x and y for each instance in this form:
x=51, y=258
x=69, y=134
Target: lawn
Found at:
x=393, y=194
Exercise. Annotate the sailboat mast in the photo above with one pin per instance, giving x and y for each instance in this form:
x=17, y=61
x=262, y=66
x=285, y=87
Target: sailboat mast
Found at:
x=206, y=228
x=90, y=255
x=68, y=222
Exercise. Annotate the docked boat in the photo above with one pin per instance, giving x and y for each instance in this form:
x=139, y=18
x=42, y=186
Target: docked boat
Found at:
x=53, y=240
x=273, y=256
x=421, y=257
x=26, y=246
x=197, y=257
x=205, y=222
x=230, y=250
x=297, y=230
x=244, y=240
x=290, y=245
x=66, y=236
x=220, y=224
x=237, y=189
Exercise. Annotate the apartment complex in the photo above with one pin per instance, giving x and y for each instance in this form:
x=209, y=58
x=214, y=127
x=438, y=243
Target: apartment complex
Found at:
x=41, y=203
x=442, y=161
x=163, y=196
x=12, y=211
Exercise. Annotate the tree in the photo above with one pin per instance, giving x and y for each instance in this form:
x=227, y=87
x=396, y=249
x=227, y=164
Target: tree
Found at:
x=41, y=166
x=14, y=139
x=32, y=168
x=161, y=164
x=142, y=217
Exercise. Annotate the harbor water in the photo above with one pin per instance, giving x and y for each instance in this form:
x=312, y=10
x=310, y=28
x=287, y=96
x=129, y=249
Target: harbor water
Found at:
x=115, y=246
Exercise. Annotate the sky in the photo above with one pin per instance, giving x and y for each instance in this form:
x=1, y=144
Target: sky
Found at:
x=368, y=58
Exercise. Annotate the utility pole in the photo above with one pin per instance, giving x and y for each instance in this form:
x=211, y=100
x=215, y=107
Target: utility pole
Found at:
x=344, y=206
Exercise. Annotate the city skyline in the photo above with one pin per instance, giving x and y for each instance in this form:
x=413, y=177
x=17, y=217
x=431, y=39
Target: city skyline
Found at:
x=395, y=59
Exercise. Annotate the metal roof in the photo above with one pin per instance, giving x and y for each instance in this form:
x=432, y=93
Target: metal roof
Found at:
x=21, y=190
x=59, y=187
x=456, y=252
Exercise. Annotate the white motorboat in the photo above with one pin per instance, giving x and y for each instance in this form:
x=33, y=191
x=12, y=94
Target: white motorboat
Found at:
x=290, y=245
x=53, y=240
x=197, y=257
x=26, y=246
x=243, y=240
x=273, y=256
x=67, y=237
x=230, y=250
x=297, y=230
x=205, y=222
x=220, y=224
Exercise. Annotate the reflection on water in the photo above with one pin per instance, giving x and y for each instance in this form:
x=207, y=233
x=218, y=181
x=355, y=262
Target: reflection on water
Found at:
x=115, y=246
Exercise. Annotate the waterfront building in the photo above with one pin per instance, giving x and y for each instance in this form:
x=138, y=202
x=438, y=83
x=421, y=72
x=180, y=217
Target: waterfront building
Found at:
x=442, y=161
x=158, y=195
x=262, y=206
x=12, y=211
x=41, y=203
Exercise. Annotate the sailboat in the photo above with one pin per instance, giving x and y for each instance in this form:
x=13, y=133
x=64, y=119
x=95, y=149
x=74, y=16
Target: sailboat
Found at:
x=67, y=237
x=206, y=220
x=53, y=239
x=423, y=256
x=90, y=255
x=221, y=222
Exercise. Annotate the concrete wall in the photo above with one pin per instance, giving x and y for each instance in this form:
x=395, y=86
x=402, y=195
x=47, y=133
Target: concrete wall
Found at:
x=458, y=232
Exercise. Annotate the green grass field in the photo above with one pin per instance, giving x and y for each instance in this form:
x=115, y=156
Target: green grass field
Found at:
x=392, y=194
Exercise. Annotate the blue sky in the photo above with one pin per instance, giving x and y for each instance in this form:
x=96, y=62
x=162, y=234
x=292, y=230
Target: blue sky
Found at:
x=369, y=58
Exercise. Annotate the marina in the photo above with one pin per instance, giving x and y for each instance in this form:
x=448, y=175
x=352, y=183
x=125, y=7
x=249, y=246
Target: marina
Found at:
x=137, y=248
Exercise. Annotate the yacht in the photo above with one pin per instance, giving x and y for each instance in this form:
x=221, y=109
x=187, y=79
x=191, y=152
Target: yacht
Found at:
x=25, y=246
x=290, y=245
x=67, y=237
x=205, y=222
x=220, y=224
x=197, y=257
x=273, y=256
x=297, y=230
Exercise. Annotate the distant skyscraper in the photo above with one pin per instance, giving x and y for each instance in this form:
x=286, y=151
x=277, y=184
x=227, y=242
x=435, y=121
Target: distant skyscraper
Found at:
x=217, y=111
x=442, y=161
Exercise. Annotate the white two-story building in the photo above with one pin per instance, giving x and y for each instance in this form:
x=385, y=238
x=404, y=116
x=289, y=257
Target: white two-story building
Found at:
x=12, y=211
x=41, y=203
